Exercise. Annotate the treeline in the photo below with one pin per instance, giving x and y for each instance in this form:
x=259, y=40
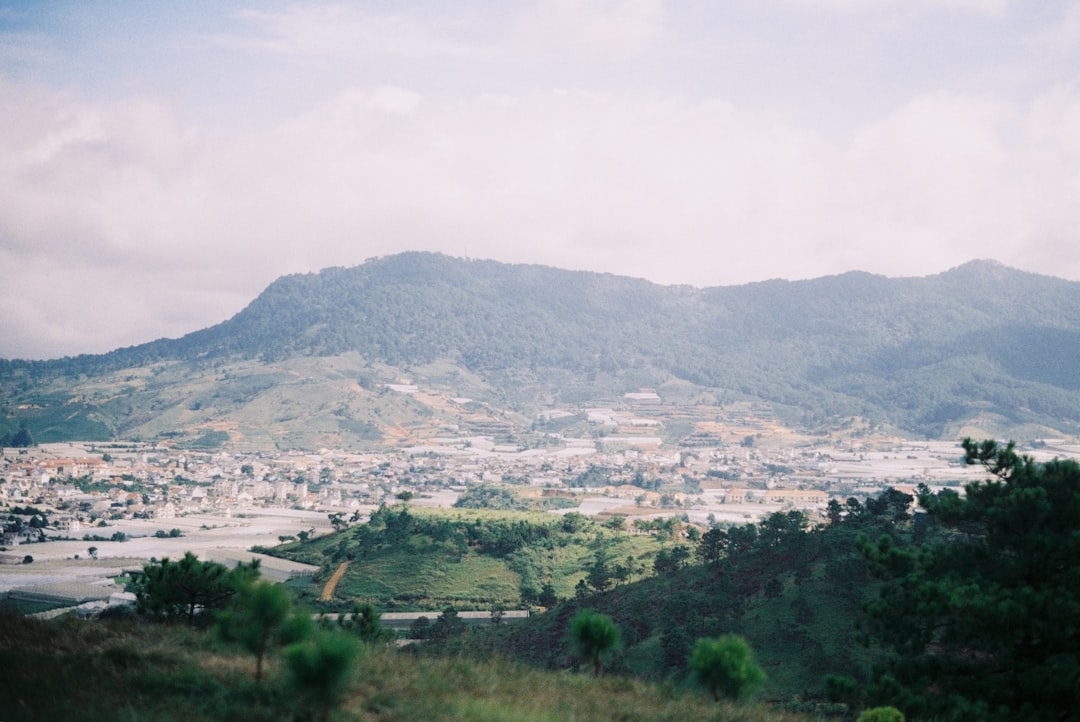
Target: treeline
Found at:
x=394, y=528
x=497, y=497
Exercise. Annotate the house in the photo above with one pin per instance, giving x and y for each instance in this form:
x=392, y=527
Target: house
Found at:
x=735, y=496
x=68, y=524
x=799, y=498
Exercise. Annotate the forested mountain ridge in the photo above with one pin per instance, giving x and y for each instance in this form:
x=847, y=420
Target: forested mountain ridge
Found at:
x=979, y=344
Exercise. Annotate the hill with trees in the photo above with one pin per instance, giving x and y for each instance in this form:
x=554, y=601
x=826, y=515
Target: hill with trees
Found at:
x=964, y=610
x=980, y=347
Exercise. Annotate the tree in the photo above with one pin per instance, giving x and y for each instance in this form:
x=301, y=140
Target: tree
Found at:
x=365, y=622
x=337, y=520
x=448, y=624
x=574, y=522
x=22, y=438
x=834, y=511
x=616, y=524
x=891, y=504
x=598, y=575
x=741, y=539
x=595, y=636
x=320, y=667
x=983, y=618
x=548, y=596
x=713, y=546
x=780, y=527
x=726, y=667
x=680, y=555
x=186, y=588
x=260, y=616
x=28, y=559
x=420, y=628
x=92, y=551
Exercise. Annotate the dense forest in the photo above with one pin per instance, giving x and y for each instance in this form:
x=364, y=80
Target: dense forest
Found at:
x=981, y=343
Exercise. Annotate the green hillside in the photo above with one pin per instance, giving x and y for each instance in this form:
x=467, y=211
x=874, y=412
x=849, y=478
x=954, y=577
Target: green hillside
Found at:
x=418, y=559
x=978, y=348
x=796, y=595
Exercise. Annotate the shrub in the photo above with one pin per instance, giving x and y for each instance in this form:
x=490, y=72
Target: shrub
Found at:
x=726, y=666
x=595, y=636
x=320, y=669
x=882, y=714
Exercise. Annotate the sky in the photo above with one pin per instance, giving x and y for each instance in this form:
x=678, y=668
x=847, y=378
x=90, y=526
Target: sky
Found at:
x=162, y=163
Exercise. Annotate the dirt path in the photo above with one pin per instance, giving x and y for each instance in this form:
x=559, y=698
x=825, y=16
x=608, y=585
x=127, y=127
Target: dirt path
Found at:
x=331, y=584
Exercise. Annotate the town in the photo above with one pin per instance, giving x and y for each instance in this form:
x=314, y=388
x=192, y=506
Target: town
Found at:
x=78, y=515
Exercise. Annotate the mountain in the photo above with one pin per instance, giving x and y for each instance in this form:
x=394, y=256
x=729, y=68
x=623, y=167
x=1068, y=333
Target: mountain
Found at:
x=980, y=347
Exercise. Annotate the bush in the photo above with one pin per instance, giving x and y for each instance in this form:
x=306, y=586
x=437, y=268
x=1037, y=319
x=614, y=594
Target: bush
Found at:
x=595, y=636
x=726, y=666
x=882, y=714
x=320, y=669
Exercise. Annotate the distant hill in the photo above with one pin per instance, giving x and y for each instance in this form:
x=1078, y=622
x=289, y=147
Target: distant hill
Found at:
x=980, y=347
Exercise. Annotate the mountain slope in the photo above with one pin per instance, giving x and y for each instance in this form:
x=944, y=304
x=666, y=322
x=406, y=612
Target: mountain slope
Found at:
x=980, y=345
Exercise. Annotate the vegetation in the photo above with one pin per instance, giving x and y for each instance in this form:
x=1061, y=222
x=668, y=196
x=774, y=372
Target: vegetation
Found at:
x=261, y=615
x=419, y=559
x=320, y=669
x=21, y=439
x=84, y=670
x=966, y=611
x=881, y=714
x=306, y=363
x=726, y=666
x=982, y=618
x=189, y=588
x=595, y=636
x=364, y=622
x=501, y=497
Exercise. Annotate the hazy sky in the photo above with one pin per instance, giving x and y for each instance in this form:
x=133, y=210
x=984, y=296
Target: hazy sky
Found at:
x=161, y=163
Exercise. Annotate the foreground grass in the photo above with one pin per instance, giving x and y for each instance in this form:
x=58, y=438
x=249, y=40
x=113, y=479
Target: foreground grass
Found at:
x=85, y=670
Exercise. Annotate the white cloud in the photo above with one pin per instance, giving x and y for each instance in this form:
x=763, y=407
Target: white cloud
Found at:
x=593, y=27
x=1064, y=37
x=994, y=8
x=340, y=31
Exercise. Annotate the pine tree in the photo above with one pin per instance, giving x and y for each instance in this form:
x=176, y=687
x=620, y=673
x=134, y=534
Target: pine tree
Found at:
x=984, y=619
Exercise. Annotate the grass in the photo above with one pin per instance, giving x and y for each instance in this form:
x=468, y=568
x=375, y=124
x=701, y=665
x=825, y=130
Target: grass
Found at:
x=427, y=578
x=90, y=670
x=420, y=574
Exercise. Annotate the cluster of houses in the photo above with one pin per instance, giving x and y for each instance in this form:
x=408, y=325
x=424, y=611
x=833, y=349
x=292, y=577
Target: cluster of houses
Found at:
x=84, y=486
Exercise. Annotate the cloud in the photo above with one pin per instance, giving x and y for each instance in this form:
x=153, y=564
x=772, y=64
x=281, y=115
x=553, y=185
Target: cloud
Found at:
x=993, y=8
x=340, y=31
x=1064, y=36
x=593, y=27
x=121, y=222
